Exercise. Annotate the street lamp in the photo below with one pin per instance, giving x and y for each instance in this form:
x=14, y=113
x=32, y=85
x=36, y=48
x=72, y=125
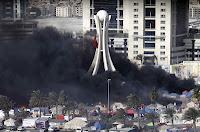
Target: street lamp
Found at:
x=108, y=96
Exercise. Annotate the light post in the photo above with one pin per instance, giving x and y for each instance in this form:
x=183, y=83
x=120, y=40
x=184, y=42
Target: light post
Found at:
x=108, y=96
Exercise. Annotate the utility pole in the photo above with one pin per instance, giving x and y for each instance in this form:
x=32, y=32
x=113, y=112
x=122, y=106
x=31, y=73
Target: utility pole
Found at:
x=108, y=96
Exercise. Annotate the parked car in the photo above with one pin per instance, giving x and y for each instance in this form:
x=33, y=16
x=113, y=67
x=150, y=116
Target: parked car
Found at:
x=20, y=128
x=1, y=127
x=53, y=129
x=13, y=128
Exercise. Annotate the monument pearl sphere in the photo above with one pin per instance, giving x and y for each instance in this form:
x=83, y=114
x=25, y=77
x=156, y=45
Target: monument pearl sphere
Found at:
x=102, y=14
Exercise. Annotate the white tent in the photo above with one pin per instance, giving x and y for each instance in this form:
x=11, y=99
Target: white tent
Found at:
x=75, y=123
x=2, y=114
x=9, y=123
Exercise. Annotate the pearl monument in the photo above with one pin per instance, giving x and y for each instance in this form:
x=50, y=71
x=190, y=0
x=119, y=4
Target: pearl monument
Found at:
x=102, y=20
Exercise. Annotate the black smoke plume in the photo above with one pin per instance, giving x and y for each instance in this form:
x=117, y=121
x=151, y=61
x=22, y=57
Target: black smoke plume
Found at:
x=52, y=61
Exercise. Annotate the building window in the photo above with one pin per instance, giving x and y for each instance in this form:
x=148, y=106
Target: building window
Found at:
x=162, y=4
x=162, y=58
x=121, y=24
x=120, y=2
x=150, y=12
x=135, y=10
x=135, y=16
x=162, y=10
x=162, y=33
x=149, y=45
x=162, y=39
x=162, y=16
x=121, y=13
x=135, y=27
x=91, y=2
x=135, y=52
x=135, y=33
x=162, y=53
x=149, y=36
x=135, y=21
x=148, y=52
x=150, y=24
x=162, y=22
x=162, y=28
x=150, y=2
x=135, y=39
x=135, y=4
x=162, y=47
x=135, y=46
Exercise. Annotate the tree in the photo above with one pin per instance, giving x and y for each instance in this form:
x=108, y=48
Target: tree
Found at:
x=37, y=100
x=70, y=106
x=140, y=57
x=52, y=99
x=170, y=114
x=120, y=116
x=196, y=94
x=154, y=95
x=61, y=98
x=192, y=114
x=133, y=101
x=5, y=104
x=152, y=117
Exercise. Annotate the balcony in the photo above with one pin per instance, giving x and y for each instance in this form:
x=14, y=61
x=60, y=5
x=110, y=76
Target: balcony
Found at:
x=149, y=4
x=152, y=16
x=118, y=35
x=120, y=7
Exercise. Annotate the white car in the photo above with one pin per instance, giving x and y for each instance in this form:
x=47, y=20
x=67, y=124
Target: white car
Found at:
x=53, y=129
x=20, y=128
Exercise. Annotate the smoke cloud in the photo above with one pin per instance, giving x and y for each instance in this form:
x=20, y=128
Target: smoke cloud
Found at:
x=52, y=61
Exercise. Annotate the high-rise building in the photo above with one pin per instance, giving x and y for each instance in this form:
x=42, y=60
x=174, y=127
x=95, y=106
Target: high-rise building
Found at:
x=77, y=10
x=194, y=9
x=13, y=9
x=152, y=30
x=63, y=11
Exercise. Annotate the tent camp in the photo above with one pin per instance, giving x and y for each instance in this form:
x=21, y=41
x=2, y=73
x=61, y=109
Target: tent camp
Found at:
x=9, y=123
x=75, y=123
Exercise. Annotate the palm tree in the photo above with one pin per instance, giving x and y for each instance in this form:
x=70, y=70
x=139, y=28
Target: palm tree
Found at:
x=37, y=100
x=170, y=114
x=62, y=98
x=155, y=60
x=133, y=101
x=192, y=114
x=196, y=94
x=52, y=99
x=154, y=95
x=119, y=116
x=140, y=57
x=5, y=104
x=152, y=117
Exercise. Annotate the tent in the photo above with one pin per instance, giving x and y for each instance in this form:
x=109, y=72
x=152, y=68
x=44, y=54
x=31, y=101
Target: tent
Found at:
x=75, y=123
x=9, y=123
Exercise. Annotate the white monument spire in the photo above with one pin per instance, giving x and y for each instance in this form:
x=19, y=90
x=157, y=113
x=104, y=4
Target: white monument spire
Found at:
x=102, y=20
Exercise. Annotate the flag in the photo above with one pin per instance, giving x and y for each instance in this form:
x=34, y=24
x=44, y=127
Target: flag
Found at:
x=94, y=42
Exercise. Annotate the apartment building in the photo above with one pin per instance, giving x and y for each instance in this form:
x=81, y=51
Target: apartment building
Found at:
x=63, y=11
x=152, y=29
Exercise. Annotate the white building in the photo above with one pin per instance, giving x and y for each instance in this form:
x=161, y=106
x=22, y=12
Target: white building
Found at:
x=12, y=9
x=187, y=69
x=194, y=9
x=63, y=11
x=189, y=50
x=77, y=10
x=151, y=28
